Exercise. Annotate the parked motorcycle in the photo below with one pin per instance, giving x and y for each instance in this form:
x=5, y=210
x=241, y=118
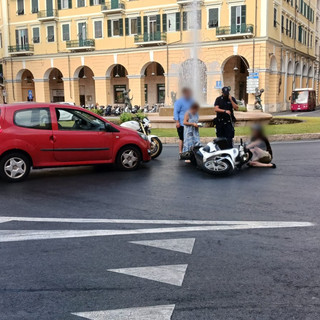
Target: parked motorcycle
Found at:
x=108, y=111
x=143, y=126
x=218, y=159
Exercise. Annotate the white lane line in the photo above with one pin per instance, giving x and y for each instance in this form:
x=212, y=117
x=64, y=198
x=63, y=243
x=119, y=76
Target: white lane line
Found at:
x=22, y=235
x=146, y=313
x=184, y=245
x=130, y=221
x=171, y=274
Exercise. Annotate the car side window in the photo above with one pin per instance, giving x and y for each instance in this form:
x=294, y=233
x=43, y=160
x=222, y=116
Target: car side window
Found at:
x=76, y=120
x=37, y=118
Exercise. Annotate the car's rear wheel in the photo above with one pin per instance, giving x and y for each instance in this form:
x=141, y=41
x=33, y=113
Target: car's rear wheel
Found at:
x=128, y=158
x=15, y=167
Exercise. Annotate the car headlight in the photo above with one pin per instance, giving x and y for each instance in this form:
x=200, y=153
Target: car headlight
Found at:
x=143, y=136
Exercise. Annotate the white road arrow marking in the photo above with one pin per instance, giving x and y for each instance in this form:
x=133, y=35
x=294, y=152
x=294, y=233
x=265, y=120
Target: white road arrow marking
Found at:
x=147, y=313
x=184, y=245
x=172, y=274
x=22, y=235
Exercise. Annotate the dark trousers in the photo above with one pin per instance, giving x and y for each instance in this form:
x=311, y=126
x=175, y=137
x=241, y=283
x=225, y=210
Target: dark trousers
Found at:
x=225, y=129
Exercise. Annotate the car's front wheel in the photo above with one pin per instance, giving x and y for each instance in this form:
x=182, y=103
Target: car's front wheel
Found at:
x=129, y=158
x=14, y=167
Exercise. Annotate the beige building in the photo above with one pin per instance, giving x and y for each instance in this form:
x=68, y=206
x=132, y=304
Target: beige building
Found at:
x=90, y=51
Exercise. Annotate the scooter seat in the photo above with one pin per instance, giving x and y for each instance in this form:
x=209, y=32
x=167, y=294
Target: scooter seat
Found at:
x=222, y=143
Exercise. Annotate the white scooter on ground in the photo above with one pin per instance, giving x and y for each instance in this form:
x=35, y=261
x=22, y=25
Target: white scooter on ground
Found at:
x=143, y=127
x=218, y=159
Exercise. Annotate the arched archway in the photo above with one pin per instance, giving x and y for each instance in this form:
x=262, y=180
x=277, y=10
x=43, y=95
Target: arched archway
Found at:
x=310, y=77
x=119, y=83
x=297, y=75
x=193, y=73
x=55, y=78
x=26, y=78
x=304, y=76
x=154, y=83
x=273, y=64
x=86, y=86
x=235, y=73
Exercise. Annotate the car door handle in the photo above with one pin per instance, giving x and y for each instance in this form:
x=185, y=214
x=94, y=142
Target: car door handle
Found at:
x=53, y=138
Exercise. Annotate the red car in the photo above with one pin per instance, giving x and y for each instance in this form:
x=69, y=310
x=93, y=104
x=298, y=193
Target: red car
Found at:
x=42, y=135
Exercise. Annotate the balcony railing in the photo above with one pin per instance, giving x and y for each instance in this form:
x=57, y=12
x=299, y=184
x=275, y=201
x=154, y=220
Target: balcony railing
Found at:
x=47, y=14
x=25, y=49
x=81, y=45
x=151, y=38
x=243, y=30
x=113, y=6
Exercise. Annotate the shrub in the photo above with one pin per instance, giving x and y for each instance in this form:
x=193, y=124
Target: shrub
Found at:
x=97, y=111
x=126, y=116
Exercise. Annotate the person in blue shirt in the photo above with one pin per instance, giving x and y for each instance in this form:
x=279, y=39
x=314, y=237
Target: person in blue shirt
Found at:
x=181, y=106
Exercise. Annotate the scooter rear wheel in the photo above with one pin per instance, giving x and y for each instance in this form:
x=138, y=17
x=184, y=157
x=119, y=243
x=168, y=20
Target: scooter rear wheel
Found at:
x=218, y=167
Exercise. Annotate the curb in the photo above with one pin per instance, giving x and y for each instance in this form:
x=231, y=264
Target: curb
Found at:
x=273, y=138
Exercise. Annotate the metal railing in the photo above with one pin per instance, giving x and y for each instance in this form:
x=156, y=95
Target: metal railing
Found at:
x=80, y=43
x=21, y=48
x=113, y=5
x=235, y=29
x=47, y=13
x=151, y=37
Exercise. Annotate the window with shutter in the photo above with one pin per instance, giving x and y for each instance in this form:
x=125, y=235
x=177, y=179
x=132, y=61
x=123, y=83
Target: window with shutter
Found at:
x=65, y=32
x=158, y=23
x=213, y=18
x=178, y=21
x=145, y=24
x=109, y=29
x=36, y=35
x=121, y=27
x=35, y=6
x=139, y=25
x=20, y=7
x=50, y=33
x=185, y=20
x=164, y=22
x=127, y=26
x=98, y=29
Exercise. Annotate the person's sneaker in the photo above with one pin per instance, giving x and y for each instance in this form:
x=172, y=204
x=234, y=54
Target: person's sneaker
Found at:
x=273, y=166
x=180, y=156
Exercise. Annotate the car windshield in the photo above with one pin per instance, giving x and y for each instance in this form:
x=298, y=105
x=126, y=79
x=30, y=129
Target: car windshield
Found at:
x=300, y=97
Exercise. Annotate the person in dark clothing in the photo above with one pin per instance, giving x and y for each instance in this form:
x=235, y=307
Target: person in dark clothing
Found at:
x=260, y=147
x=224, y=107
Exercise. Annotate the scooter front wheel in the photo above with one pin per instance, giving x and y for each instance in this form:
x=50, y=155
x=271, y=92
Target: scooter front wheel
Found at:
x=217, y=167
x=156, y=147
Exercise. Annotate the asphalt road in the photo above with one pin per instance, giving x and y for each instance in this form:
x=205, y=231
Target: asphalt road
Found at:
x=231, y=273
x=315, y=113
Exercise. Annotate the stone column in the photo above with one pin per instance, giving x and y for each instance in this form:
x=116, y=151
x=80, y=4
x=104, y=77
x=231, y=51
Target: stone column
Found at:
x=212, y=91
x=136, y=85
x=42, y=91
x=68, y=89
x=14, y=91
x=172, y=85
x=101, y=90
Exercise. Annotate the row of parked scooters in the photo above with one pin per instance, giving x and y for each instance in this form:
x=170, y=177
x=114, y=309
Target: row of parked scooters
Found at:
x=118, y=110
